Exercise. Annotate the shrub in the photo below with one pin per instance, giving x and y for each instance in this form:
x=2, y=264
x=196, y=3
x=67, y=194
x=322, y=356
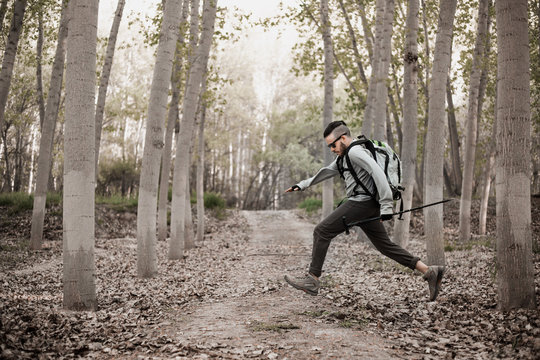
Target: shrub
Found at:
x=118, y=202
x=311, y=205
x=17, y=201
x=213, y=201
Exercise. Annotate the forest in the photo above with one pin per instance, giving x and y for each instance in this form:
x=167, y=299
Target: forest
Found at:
x=146, y=146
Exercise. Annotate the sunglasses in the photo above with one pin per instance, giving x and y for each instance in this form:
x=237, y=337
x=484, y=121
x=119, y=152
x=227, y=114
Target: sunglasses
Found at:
x=333, y=143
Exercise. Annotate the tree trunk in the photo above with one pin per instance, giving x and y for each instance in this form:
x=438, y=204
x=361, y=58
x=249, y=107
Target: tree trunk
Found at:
x=39, y=72
x=153, y=145
x=435, y=139
x=354, y=44
x=470, y=135
x=181, y=164
x=47, y=132
x=379, y=109
x=328, y=185
x=106, y=74
x=19, y=7
x=410, y=120
x=515, y=270
x=200, y=174
x=488, y=175
x=367, y=125
x=454, y=140
x=172, y=119
x=368, y=35
x=79, y=177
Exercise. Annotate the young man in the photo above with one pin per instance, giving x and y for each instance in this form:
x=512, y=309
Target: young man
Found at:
x=360, y=205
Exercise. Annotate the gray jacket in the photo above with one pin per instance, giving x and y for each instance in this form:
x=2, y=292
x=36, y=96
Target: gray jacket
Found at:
x=368, y=172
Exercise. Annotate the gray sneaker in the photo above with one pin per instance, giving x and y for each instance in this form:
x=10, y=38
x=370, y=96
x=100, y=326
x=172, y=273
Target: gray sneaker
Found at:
x=434, y=278
x=305, y=283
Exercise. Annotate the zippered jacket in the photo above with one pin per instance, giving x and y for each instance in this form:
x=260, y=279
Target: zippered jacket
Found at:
x=369, y=173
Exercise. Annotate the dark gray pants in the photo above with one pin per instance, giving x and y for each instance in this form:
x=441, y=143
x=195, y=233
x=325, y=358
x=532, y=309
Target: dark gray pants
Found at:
x=354, y=211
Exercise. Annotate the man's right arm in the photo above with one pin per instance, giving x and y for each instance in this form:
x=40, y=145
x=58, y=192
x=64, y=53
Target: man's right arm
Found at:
x=324, y=173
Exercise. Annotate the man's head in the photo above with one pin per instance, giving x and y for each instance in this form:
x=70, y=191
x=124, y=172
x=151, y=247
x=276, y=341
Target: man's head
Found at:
x=337, y=136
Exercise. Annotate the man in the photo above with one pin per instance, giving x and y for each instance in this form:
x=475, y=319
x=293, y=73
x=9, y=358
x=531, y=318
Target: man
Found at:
x=360, y=205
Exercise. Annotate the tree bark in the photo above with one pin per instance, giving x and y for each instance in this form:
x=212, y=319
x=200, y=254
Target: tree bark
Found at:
x=47, y=132
x=435, y=139
x=153, y=145
x=454, y=139
x=488, y=175
x=328, y=185
x=354, y=44
x=181, y=164
x=515, y=270
x=106, y=74
x=172, y=119
x=10, y=52
x=410, y=120
x=39, y=72
x=471, y=133
x=79, y=177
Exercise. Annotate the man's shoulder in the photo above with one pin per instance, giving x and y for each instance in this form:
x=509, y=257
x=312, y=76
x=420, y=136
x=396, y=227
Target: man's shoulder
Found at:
x=358, y=151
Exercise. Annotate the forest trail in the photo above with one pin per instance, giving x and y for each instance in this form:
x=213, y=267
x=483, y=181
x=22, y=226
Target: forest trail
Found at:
x=261, y=316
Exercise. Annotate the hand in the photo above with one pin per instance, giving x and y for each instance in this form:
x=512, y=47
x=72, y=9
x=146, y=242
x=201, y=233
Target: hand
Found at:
x=385, y=217
x=293, y=188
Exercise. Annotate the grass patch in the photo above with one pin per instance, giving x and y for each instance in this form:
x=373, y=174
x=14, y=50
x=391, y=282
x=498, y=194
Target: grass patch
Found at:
x=470, y=245
x=118, y=203
x=310, y=205
x=17, y=202
x=274, y=327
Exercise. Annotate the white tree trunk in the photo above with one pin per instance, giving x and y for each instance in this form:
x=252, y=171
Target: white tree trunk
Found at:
x=471, y=133
x=47, y=133
x=153, y=144
x=410, y=120
x=328, y=185
x=39, y=68
x=10, y=52
x=381, y=87
x=435, y=139
x=79, y=179
x=181, y=163
x=200, y=175
x=515, y=270
x=105, y=75
x=176, y=83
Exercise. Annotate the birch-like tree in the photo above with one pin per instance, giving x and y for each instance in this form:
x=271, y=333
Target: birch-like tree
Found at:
x=10, y=52
x=200, y=166
x=328, y=185
x=172, y=119
x=47, y=132
x=515, y=270
x=410, y=119
x=153, y=145
x=472, y=113
x=79, y=169
x=191, y=100
x=435, y=139
x=106, y=74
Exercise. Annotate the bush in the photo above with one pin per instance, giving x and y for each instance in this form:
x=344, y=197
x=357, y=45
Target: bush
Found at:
x=311, y=205
x=118, y=202
x=213, y=201
x=17, y=201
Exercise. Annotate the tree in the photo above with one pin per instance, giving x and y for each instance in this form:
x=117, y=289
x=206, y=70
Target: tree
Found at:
x=515, y=270
x=153, y=145
x=79, y=169
x=328, y=185
x=200, y=167
x=181, y=164
x=435, y=139
x=106, y=73
x=472, y=113
x=172, y=119
x=19, y=8
x=47, y=132
x=410, y=119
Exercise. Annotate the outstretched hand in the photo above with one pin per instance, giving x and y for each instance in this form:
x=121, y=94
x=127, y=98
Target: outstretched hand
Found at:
x=293, y=188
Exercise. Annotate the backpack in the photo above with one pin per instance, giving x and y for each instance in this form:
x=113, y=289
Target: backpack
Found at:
x=384, y=156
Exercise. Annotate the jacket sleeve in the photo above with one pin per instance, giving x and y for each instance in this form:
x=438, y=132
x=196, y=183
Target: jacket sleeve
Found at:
x=366, y=162
x=324, y=173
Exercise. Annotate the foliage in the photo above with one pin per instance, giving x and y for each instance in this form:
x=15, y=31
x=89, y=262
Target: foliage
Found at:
x=118, y=202
x=18, y=202
x=214, y=201
x=117, y=177
x=311, y=205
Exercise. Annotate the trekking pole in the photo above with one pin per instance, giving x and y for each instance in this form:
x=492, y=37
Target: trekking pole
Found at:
x=347, y=226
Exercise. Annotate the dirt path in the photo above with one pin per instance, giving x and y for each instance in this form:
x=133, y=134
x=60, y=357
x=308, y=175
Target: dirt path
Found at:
x=261, y=317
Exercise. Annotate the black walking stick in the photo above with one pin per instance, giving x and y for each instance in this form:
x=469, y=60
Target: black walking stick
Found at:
x=347, y=226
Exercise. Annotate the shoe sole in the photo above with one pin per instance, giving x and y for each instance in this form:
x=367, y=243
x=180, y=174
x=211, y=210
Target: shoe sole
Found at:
x=307, y=291
x=440, y=273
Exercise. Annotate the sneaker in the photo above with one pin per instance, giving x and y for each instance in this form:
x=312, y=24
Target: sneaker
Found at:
x=434, y=278
x=307, y=283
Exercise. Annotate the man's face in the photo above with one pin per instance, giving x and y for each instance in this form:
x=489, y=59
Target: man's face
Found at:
x=336, y=144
